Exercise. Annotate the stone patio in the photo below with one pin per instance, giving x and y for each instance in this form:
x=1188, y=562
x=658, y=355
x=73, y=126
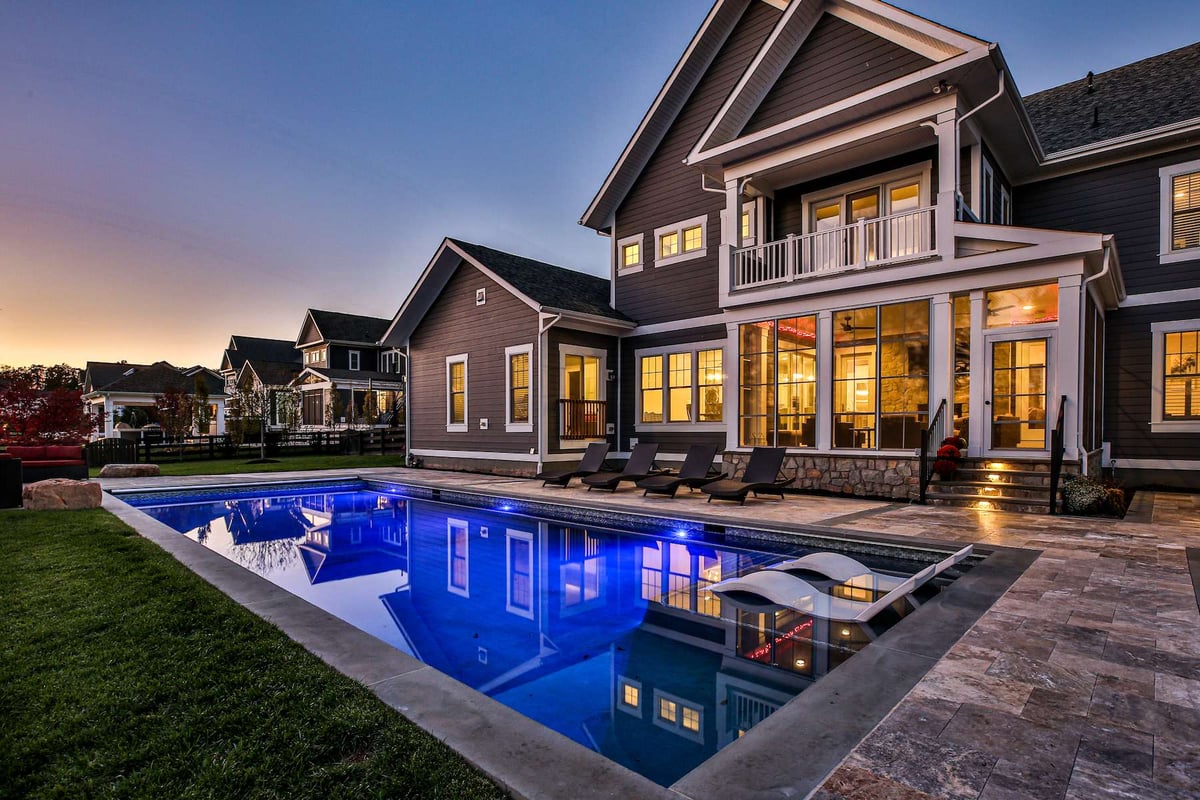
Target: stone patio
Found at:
x=1082, y=681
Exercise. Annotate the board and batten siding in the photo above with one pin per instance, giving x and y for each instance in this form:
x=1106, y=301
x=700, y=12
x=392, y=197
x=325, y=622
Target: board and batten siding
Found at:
x=836, y=61
x=668, y=191
x=453, y=325
x=676, y=438
x=1122, y=199
x=596, y=341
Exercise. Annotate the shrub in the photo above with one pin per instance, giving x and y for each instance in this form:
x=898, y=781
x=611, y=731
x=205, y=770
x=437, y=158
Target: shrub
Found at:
x=948, y=451
x=945, y=467
x=1084, y=495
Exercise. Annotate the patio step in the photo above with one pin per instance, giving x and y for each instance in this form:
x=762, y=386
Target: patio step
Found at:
x=1012, y=484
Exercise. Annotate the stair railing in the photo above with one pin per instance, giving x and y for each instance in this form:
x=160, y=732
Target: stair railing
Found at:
x=931, y=439
x=1058, y=450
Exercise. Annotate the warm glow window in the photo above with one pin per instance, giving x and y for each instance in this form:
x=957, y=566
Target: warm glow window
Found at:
x=668, y=710
x=962, y=365
x=1024, y=305
x=631, y=254
x=681, y=241
x=686, y=572
x=1181, y=378
x=711, y=381
x=693, y=238
x=518, y=392
x=456, y=392
x=778, y=382
x=668, y=244
x=681, y=387
x=679, y=408
x=1185, y=211
x=652, y=388
x=630, y=695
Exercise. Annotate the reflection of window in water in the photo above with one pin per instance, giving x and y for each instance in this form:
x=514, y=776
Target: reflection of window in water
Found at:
x=520, y=572
x=782, y=638
x=581, y=568
x=690, y=570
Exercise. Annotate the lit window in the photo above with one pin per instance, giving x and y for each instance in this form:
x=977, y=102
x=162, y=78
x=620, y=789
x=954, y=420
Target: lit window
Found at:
x=691, y=719
x=668, y=710
x=668, y=245
x=682, y=241
x=630, y=696
x=456, y=393
x=746, y=229
x=1181, y=378
x=631, y=255
x=679, y=716
x=518, y=379
x=680, y=404
x=711, y=380
x=693, y=239
x=673, y=385
x=1180, y=212
x=652, y=389
x=779, y=383
x=1025, y=305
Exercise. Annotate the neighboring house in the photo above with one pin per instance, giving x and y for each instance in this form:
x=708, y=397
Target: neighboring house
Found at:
x=111, y=387
x=253, y=348
x=839, y=224
x=512, y=362
x=342, y=353
x=275, y=378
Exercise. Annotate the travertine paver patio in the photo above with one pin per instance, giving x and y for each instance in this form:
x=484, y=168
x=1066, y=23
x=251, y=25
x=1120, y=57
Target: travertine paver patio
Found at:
x=1082, y=681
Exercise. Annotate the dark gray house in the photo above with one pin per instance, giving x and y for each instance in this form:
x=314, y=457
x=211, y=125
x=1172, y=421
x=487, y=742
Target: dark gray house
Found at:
x=839, y=225
x=255, y=363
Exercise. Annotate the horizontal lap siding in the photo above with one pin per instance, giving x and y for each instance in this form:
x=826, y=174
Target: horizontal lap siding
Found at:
x=596, y=341
x=1128, y=368
x=456, y=325
x=670, y=441
x=1122, y=199
x=836, y=61
x=668, y=191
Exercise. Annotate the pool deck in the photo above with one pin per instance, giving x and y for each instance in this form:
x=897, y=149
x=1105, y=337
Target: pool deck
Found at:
x=1081, y=681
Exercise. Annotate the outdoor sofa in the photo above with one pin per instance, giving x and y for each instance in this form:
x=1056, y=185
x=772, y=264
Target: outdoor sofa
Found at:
x=41, y=462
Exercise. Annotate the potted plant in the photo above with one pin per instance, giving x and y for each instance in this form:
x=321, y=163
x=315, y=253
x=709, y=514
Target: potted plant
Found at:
x=949, y=456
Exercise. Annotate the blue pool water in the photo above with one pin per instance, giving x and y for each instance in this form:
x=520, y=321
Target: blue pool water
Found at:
x=606, y=636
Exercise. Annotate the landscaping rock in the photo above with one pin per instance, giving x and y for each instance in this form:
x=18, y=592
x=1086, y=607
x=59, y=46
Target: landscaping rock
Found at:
x=61, y=494
x=129, y=471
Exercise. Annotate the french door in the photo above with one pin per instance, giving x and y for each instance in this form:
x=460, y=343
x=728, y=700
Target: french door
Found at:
x=1018, y=390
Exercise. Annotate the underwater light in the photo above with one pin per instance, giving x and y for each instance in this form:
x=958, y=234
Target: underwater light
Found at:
x=682, y=533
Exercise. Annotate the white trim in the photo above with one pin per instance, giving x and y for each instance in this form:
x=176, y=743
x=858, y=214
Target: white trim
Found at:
x=677, y=726
x=451, y=525
x=677, y=325
x=622, y=681
x=482, y=455
x=921, y=171
x=451, y=426
x=565, y=350
x=509, y=352
x=1165, y=464
x=1157, y=379
x=510, y=536
x=1183, y=127
x=1161, y=298
x=936, y=46
x=624, y=242
x=663, y=350
x=1166, y=209
x=678, y=228
x=353, y=360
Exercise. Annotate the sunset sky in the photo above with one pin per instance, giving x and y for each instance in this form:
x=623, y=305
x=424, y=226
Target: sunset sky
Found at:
x=173, y=173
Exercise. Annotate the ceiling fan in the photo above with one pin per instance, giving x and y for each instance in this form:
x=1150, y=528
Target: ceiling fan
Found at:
x=849, y=327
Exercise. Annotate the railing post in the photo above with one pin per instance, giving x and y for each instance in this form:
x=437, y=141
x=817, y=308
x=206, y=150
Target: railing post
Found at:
x=860, y=234
x=789, y=257
x=924, y=466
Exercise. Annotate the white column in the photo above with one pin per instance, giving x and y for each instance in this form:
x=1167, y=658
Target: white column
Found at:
x=220, y=403
x=1068, y=369
x=731, y=234
x=733, y=382
x=108, y=417
x=941, y=357
x=824, y=378
x=947, y=137
x=981, y=412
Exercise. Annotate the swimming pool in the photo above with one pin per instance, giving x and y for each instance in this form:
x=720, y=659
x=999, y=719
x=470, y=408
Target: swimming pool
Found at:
x=604, y=634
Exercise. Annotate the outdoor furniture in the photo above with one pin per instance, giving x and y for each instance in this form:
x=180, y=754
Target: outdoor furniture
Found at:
x=41, y=462
x=639, y=466
x=592, y=462
x=10, y=481
x=696, y=471
x=761, y=477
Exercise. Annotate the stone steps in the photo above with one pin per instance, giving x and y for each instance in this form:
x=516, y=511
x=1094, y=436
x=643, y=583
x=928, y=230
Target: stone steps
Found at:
x=1012, y=484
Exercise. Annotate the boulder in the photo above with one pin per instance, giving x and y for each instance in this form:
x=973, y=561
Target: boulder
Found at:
x=61, y=494
x=129, y=471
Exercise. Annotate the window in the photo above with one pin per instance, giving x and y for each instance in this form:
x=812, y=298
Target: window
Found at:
x=390, y=362
x=1180, y=212
x=682, y=241
x=581, y=569
x=456, y=393
x=681, y=386
x=1024, y=305
x=355, y=360
x=1175, y=383
x=480, y=297
x=778, y=383
x=679, y=715
x=458, y=557
x=629, y=254
x=629, y=696
x=582, y=389
x=519, y=563
x=517, y=377
x=750, y=222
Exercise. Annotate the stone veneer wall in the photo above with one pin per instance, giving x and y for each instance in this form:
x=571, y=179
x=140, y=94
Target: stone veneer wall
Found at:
x=857, y=475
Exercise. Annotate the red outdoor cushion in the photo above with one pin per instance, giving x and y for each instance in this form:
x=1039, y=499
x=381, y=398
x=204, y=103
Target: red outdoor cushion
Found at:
x=27, y=452
x=62, y=462
x=6, y=455
x=68, y=451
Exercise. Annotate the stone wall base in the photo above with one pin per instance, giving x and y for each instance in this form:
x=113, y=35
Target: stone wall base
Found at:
x=519, y=469
x=892, y=477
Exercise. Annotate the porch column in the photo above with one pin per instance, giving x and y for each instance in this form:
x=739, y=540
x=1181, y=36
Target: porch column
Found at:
x=824, y=378
x=1068, y=369
x=980, y=411
x=733, y=382
x=108, y=417
x=941, y=357
x=220, y=417
x=731, y=234
x=947, y=138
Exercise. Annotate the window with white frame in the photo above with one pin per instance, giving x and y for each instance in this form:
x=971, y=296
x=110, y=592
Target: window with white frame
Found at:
x=1175, y=383
x=456, y=393
x=679, y=716
x=681, y=241
x=900, y=200
x=629, y=695
x=518, y=378
x=519, y=569
x=458, y=557
x=681, y=385
x=750, y=222
x=355, y=360
x=390, y=362
x=1179, y=212
x=630, y=255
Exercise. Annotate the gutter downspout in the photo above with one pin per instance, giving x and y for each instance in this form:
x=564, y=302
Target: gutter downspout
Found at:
x=1083, y=295
x=958, y=134
x=543, y=435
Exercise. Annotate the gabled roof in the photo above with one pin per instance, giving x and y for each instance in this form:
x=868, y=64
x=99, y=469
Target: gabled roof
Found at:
x=271, y=373
x=259, y=349
x=147, y=379
x=541, y=286
x=349, y=375
x=335, y=326
x=99, y=374
x=1152, y=93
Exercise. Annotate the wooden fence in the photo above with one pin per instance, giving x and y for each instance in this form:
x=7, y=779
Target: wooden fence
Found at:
x=383, y=441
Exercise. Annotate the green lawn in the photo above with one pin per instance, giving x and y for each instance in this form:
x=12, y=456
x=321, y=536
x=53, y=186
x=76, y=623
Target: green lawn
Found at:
x=123, y=674
x=227, y=466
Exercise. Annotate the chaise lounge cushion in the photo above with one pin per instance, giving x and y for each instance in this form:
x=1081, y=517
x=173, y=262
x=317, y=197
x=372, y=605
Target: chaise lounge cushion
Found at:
x=27, y=452
x=64, y=452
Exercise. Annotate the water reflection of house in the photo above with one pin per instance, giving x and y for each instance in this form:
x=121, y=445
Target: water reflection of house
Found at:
x=353, y=535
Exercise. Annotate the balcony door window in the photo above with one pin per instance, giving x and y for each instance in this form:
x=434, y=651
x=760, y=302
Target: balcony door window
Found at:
x=582, y=377
x=582, y=393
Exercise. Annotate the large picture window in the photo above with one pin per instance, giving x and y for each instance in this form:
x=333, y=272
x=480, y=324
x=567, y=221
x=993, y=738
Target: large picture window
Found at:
x=681, y=387
x=778, y=383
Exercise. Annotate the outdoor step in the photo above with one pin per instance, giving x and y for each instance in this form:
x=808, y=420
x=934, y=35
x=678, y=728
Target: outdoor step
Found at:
x=955, y=497
x=1002, y=487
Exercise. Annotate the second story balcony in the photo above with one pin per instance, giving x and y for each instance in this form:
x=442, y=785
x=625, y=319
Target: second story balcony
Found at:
x=867, y=242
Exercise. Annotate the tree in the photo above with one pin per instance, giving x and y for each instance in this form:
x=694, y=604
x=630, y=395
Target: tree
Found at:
x=203, y=413
x=253, y=409
x=20, y=402
x=335, y=409
x=370, y=409
x=176, y=413
x=62, y=416
x=287, y=407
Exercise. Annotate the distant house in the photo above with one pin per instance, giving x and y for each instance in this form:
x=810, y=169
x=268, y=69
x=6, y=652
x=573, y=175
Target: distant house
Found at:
x=252, y=348
x=512, y=362
x=111, y=387
x=342, y=353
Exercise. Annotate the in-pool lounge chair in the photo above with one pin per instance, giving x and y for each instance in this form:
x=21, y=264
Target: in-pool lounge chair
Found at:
x=761, y=477
x=696, y=471
x=639, y=466
x=592, y=462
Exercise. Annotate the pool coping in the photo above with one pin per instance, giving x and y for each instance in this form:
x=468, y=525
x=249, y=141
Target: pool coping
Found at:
x=531, y=761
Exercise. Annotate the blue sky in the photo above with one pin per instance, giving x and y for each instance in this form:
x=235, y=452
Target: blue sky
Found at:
x=172, y=173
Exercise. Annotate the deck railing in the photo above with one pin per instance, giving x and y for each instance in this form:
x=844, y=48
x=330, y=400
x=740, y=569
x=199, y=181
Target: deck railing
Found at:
x=868, y=242
x=1058, y=450
x=931, y=440
x=582, y=419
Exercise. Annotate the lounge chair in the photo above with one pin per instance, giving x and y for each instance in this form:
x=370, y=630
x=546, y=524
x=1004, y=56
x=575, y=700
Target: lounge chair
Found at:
x=761, y=477
x=591, y=463
x=696, y=471
x=639, y=466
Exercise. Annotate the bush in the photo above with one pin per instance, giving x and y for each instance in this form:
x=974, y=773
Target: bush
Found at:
x=1085, y=496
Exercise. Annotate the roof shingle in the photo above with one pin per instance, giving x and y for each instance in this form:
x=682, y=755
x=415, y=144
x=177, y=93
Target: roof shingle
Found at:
x=339, y=327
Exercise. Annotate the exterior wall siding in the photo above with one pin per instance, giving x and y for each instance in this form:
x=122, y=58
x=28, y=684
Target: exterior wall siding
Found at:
x=1121, y=199
x=667, y=191
x=456, y=325
x=836, y=61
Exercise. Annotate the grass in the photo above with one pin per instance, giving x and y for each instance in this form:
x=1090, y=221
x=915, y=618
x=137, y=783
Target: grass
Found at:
x=227, y=466
x=124, y=675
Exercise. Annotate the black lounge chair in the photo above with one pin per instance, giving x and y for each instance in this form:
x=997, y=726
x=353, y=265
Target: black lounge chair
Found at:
x=591, y=463
x=639, y=466
x=761, y=477
x=696, y=471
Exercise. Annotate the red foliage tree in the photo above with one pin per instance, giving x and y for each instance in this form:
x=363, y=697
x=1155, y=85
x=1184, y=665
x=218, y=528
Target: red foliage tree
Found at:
x=19, y=405
x=63, y=418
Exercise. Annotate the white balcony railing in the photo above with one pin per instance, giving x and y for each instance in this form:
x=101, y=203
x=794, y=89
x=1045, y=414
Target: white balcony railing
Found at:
x=868, y=242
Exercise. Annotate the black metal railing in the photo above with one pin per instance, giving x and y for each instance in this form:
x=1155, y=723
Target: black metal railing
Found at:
x=1058, y=450
x=582, y=419
x=931, y=440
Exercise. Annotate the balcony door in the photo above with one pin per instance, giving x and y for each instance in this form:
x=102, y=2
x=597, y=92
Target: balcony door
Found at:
x=582, y=407
x=1018, y=393
x=841, y=242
